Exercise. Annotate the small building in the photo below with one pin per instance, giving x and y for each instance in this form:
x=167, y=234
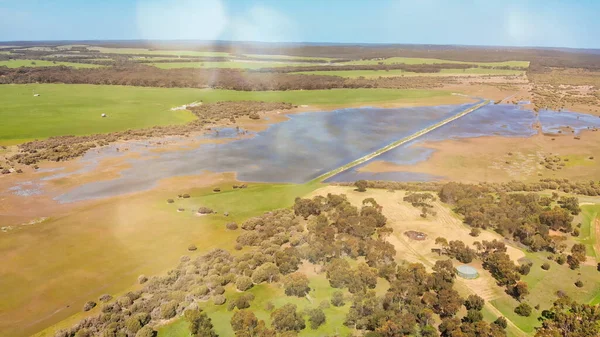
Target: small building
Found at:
x=467, y=272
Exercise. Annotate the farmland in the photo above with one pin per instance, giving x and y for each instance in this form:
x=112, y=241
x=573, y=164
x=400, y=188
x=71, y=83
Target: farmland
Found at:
x=76, y=109
x=41, y=63
x=393, y=73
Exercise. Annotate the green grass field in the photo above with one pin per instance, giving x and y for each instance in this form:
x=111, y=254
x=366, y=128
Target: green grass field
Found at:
x=121, y=239
x=63, y=109
x=229, y=64
x=40, y=63
x=141, y=51
x=587, y=233
x=324, y=59
x=417, y=60
x=543, y=286
x=399, y=72
x=274, y=293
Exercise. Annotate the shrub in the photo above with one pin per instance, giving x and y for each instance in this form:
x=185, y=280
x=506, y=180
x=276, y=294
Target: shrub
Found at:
x=169, y=309
x=475, y=232
x=205, y=210
x=146, y=332
x=89, y=305
x=501, y=322
x=192, y=248
x=232, y=226
x=524, y=269
x=561, y=259
x=337, y=299
x=269, y=306
x=523, y=309
x=185, y=196
x=579, y=284
x=545, y=266
x=361, y=185
x=170, y=201
x=219, y=300
x=243, y=283
x=316, y=317
x=238, y=246
x=105, y=298
x=575, y=232
x=219, y=290
x=142, y=279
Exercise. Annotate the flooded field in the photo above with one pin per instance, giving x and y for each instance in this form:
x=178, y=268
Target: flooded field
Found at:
x=491, y=120
x=310, y=144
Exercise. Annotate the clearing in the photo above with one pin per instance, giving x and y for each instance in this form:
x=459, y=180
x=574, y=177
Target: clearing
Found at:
x=400, y=72
x=63, y=109
x=41, y=63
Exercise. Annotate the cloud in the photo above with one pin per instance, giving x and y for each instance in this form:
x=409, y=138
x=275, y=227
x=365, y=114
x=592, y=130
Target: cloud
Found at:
x=181, y=19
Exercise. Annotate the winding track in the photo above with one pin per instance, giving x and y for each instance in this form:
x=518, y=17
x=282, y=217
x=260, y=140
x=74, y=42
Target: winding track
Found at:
x=397, y=143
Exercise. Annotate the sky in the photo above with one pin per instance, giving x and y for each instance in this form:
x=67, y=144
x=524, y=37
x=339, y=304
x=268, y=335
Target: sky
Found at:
x=547, y=23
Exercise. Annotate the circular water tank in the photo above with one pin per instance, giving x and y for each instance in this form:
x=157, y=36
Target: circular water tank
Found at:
x=467, y=272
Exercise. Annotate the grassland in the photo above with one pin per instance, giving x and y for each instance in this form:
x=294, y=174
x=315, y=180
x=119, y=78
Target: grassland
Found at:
x=417, y=60
x=76, y=109
x=291, y=58
x=41, y=63
x=399, y=72
x=121, y=239
x=587, y=233
x=141, y=51
x=228, y=64
x=265, y=293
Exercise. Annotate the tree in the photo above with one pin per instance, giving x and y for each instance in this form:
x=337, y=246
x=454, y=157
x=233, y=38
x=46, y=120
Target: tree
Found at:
x=296, y=284
x=448, y=302
x=266, y=272
x=146, y=332
x=569, y=318
x=523, y=309
x=474, y=302
x=473, y=316
x=200, y=324
x=520, y=290
x=287, y=318
x=243, y=283
x=169, y=309
x=337, y=299
x=501, y=322
x=361, y=185
x=244, y=322
x=316, y=317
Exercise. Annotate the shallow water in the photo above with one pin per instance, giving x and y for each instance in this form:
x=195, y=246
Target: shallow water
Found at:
x=494, y=119
x=311, y=144
x=296, y=150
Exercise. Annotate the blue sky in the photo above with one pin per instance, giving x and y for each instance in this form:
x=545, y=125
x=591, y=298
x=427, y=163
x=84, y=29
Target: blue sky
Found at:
x=555, y=23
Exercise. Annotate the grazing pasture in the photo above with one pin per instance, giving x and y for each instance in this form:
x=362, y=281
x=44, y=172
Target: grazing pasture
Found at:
x=63, y=109
x=399, y=72
x=227, y=64
x=418, y=60
x=41, y=63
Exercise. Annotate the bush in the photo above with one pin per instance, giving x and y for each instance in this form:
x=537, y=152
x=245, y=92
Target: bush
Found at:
x=105, y=298
x=524, y=269
x=316, y=317
x=89, y=305
x=579, y=284
x=170, y=201
x=219, y=300
x=361, y=185
x=169, y=309
x=575, y=232
x=523, y=309
x=501, y=322
x=243, y=283
x=561, y=259
x=545, y=266
x=232, y=226
x=337, y=299
x=475, y=232
x=219, y=290
x=146, y=332
x=142, y=279
x=185, y=196
x=192, y=248
x=205, y=210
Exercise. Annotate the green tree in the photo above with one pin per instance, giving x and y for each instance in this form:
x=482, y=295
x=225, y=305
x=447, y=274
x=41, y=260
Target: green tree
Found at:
x=523, y=309
x=287, y=318
x=474, y=302
x=146, y=332
x=200, y=324
x=361, y=185
x=244, y=322
x=296, y=284
x=337, y=298
x=316, y=317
